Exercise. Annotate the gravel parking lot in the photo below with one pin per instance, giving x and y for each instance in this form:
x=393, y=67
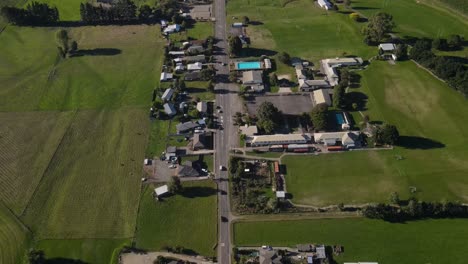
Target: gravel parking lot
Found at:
x=289, y=104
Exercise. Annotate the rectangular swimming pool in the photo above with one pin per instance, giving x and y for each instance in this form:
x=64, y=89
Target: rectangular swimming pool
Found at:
x=340, y=118
x=249, y=65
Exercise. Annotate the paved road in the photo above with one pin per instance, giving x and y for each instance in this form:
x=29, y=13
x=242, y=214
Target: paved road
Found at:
x=226, y=138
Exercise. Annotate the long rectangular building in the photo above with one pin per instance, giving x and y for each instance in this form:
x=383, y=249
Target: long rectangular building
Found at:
x=279, y=139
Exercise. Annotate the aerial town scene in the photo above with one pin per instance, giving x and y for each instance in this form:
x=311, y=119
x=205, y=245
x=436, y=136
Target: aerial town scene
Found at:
x=233, y=131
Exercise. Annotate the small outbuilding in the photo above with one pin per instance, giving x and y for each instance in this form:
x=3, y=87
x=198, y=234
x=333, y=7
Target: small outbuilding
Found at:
x=161, y=191
x=195, y=66
x=202, y=107
x=167, y=95
x=166, y=76
x=322, y=96
x=387, y=51
x=169, y=109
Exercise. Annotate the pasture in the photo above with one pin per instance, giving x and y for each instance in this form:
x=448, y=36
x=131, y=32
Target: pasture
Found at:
x=92, y=185
x=433, y=129
x=187, y=219
x=438, y=241
x=299, y=28
x=110, y=71
x=92, y=251
x=14, y=237
x=415, y=19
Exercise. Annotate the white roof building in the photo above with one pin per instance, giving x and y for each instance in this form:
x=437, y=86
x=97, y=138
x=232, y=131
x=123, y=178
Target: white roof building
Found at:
x=279, y=139
x=310, y=85
x=172, y=28
x=347, y=139
x=195, y=66
x=167, y=95
x=329, y=67
x=280, y=194
x=161, y=190
x=179, y=67
x=325, y=4
x=166, y=76
x=323, y=96
x=202, y=107
x=169, y=109
x=237, y=24
x=267, y=63
x=177, y=53
x=387, y=47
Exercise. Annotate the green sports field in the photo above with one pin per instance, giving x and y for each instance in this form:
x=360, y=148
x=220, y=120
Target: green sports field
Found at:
x=299, y=28
x=364, y=240
x=431, y=120
x=187, y=220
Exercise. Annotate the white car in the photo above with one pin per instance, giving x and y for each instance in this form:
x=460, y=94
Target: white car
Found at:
x=173, y=166
x=205, y=170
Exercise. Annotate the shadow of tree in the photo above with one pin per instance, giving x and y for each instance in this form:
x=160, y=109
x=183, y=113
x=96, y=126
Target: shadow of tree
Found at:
x=64, y=261
x=411, y=142
x=97, y=52
x=359, y=98
x=254, y=52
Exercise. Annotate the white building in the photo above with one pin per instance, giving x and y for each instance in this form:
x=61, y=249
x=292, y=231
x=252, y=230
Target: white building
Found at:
x=161, y=190
x=325, y=4
x=166, y=76
x=172, y=28
x=329, y=67
x=348, y=139
x=279, y=139
x=202, y=107
x=387, y=50
x=195, y=66
x=248, y=130
x=167, y=95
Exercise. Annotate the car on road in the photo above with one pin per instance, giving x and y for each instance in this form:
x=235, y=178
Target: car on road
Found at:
x=221, y=167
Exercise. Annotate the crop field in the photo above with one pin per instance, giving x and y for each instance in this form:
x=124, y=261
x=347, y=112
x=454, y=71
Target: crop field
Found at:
x=415, y=19
x=113, y=71
x=433, y=129
x=92, y=251
x=14, y=237
x=28, y=143
x=429, y=241
x=299, y=28
x=187, y=219
x=95, y=173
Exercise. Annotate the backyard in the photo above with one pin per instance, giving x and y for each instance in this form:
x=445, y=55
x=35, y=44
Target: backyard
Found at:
x=187, y=219
x=429, y=241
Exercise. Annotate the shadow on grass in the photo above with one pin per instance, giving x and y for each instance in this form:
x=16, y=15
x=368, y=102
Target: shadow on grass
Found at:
x=364, y=8
x=64, y=261
x=194, y=192
x=97, y=52
x=411, y=142
x=359, y=98
x=254, y=52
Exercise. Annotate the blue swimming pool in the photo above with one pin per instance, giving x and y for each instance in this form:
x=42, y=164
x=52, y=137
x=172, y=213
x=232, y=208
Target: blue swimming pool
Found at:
x=340, y=118
x=250, y=65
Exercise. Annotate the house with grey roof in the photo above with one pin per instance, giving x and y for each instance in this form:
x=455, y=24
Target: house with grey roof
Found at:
x=169, y=109
x=167, y=95
x=253, y=80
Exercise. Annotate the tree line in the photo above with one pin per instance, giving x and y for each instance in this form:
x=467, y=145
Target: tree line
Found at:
x=33, y=14
x=450, y=69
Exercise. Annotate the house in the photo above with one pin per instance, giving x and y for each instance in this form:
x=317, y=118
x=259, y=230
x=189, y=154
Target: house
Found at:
x=325, y=4
x=348, y=139
x=192, y=76
x=165, y=76
x=197, y=58
x=253, y=80
x=323, y=96
x=300, y=74
x=170, y=152
x=187, y=170
x=268, y=256
x=387, y=51
x=172, y=28
x=199, y=141
x=186, y=127
x=237, y=25
x=161, y=190
x=167, y=95
x=279, y=139
x=195, y=66
x=202, y=107
x=305, y=248
x=280, y=194
x=179, y=67
x=267, y=63
x=320, y=250
x=195, y=49
x=201, y=12
x=169, y=109
x=248, y=130
x=329, y=66
x=183, y=106
x=310, y=85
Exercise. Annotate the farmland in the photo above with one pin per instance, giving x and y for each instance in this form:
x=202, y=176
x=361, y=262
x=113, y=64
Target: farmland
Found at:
x=366, y=240
x=95, y=172
x=299, y=28
x=434, y=154
x=14, y=237
x=187, y=219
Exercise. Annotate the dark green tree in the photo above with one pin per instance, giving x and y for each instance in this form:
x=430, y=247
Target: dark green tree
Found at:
x=245, y=20
x=318, y=115
x=401, y=51
x=145, y=13
x=284, y=58
x=235, y=45
x=339, y=96
x=269, y=117
x=378, y=27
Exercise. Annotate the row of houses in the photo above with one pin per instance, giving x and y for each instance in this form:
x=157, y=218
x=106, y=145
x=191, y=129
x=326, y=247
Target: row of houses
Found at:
x=346, y=139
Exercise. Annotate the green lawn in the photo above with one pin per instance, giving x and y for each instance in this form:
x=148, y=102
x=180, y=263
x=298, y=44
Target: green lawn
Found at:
x=300, y=28
x=91, y=187
x=199, y=89
x=117, y=73
x=199, y=30
x=415, y=19
x=431, y=120
x=92, y=251
x=429, y=241
x=188, y=220
x=14, y=237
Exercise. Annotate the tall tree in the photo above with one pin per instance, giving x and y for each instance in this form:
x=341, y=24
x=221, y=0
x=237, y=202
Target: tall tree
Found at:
x=269, y=117
x=378, y=27
x=339, y=96
x=235, y=45
x=284, y=57
x=175, y=186
x=318, y=116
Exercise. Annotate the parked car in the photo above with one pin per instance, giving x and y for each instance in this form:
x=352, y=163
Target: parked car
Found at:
x=221, y=167
x=173, y=166
x=205, y=170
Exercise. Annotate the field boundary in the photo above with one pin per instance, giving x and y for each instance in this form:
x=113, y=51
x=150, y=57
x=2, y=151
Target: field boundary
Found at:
x=48, y=164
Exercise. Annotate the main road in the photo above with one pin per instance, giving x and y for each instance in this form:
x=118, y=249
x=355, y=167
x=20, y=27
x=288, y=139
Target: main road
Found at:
x=226, y=137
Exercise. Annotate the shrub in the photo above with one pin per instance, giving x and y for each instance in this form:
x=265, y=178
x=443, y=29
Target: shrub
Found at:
x=355, y=16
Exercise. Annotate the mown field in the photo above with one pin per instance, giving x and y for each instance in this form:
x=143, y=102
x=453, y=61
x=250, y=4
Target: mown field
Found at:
x=92, y=185
x=86, y=250
x=415, y=19
x=187, y=219
x=14, y=237
x=433, y=128
x=429, y=241
x=299, y=28
x=113, y=71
